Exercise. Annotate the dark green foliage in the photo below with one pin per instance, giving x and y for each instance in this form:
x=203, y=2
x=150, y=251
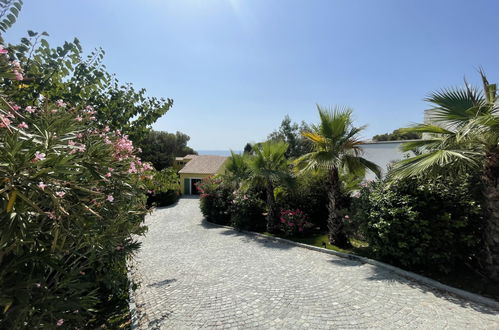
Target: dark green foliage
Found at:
x=215, y=200
x=161, y=148
x=308, y=194
x=65, y=73
x=247, y=211
x=163, y=187
x=165, y=198
x=397, y=135
x=421, y=224
x=9, y=10
x=68, y=218
x=291, y=134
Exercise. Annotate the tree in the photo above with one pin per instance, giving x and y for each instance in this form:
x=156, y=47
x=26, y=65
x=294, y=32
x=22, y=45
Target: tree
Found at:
x=291, y=134
x=64, y=73
x=397, y=135
x=336, y=149
x=462, y=137
x=237, y=168
x=161, y=148
x=268, y=167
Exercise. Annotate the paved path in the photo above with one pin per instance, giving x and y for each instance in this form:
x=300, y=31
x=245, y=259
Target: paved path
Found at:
x=197, y=275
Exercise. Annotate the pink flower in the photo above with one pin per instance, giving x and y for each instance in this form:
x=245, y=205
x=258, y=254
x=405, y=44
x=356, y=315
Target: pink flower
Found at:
x=30, y=109
x=347, y=217
x=60, y=194
x=79, y=135
x=60, y=323
x=16, y=107
x=108, y=175
x=92, y=118
x=39, y=156
x=71, y=143
x=110, y=198
x=60, y=103
x=4, y=121
x=110, y=169
x=10, y=115
x=78, y=118
x=22, y=125
x=16, y=65
x=19, y=75
x=3, y=50
x=42, y=185
x=106, y=129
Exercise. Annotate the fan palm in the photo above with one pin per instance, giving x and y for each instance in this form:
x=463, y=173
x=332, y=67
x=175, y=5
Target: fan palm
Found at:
x=462, y=134
x=268, y=167
x=336, y=149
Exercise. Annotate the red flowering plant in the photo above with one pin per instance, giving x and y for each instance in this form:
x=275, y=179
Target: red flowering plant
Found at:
x=215, y=199
x=294, y=222
x=71, y=201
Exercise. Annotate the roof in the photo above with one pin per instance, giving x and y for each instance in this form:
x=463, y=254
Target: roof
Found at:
x=205, y=164
x=187, y=157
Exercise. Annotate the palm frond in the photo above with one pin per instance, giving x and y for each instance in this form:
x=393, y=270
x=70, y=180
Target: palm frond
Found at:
x=435, y=161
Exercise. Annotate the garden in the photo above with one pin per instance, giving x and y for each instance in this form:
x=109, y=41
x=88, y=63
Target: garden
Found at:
x=434, y=213
x=80, y=168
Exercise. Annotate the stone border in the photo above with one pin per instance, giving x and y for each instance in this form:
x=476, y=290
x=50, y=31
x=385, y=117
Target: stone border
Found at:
x=404, y=273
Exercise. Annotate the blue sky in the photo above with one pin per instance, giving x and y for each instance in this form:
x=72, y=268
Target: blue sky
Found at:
x=235, y=68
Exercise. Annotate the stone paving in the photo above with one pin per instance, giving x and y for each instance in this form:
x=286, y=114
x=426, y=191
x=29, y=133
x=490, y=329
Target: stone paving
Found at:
x=197, y=275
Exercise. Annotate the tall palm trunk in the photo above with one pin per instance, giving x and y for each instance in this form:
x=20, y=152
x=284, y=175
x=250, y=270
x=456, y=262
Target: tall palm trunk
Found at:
x=335, y=224
x=272, y=212
x=491, y=232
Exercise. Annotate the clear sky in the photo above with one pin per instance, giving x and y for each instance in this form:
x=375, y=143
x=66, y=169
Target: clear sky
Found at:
x=235, y=68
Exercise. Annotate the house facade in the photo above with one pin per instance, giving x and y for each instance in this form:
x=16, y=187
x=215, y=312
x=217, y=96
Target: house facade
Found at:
x=196, y=168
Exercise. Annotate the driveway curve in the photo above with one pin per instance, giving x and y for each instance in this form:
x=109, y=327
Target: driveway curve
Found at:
x=195, y=275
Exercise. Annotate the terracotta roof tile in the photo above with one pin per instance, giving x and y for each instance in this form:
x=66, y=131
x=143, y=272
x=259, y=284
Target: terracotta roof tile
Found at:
x=205, y=164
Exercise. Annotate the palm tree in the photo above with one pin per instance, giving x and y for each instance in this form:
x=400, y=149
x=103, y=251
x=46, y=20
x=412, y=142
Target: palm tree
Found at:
x=268, y=167
x=463, y=135
x=336, y=149
x=237, y=169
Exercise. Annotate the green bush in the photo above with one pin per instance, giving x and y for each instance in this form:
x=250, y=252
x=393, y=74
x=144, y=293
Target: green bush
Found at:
x=247, y=211
x=215, y=200
x=162, y=187
x=421, y=224
x=309, y=194
x=71, y=201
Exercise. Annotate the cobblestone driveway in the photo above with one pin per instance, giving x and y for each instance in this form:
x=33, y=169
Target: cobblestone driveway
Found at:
x=197, y=275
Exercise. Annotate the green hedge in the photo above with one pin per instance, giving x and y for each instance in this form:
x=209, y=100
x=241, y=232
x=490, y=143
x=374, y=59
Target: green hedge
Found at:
x=421, y=224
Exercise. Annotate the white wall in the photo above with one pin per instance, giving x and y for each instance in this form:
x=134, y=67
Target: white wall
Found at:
x=383, y=153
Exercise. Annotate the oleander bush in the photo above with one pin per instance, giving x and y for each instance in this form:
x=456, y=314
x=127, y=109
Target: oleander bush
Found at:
x=294, y=222
x=215, y=199
x=421, y=224
x=247, y=211
x=71, y=199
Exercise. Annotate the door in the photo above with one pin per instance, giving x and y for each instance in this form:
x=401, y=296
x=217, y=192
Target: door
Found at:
x=187, y=186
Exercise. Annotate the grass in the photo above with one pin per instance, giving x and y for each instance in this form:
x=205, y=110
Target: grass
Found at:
x=465, y=278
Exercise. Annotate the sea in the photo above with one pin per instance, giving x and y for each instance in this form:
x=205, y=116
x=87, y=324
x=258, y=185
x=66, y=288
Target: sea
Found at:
x=218, y=152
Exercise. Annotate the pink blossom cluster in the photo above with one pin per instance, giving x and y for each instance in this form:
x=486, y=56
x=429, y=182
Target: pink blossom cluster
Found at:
x=293, y=221
x=16, y=66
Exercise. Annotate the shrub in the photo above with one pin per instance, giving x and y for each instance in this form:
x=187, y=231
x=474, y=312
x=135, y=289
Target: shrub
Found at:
x=162, y=187
x=294, y=222
x=309, y=194
x=215, y=200
x=421, y=224
x=247, y=211
x=71, y=199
